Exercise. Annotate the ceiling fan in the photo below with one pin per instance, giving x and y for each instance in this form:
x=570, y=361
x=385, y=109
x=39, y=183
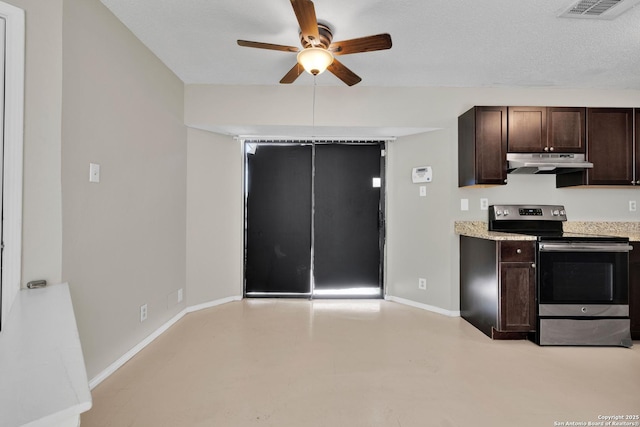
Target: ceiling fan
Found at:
x=318, y=50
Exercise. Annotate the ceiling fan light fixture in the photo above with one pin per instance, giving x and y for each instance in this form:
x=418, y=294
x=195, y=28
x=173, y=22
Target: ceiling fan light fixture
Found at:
x=315, y=60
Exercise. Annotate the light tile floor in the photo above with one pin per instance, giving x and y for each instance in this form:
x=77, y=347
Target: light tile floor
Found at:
x=266, y=362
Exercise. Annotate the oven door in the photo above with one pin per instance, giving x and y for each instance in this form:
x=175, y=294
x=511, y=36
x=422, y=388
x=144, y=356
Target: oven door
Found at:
x=579, y=279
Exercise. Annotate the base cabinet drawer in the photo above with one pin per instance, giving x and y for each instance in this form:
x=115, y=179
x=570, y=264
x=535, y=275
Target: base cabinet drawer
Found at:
x=517, y=251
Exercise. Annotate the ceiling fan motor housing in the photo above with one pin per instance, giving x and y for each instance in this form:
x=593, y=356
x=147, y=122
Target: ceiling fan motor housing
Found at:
x=325, y=38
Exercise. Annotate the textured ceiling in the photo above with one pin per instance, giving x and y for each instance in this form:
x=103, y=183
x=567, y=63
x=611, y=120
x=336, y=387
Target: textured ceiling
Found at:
x=450, y=43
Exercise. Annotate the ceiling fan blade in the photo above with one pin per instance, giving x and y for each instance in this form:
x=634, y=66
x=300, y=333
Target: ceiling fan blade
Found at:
x=293, y=74
x=343, y=73
x=270, y=46
x=306, y=15
x=362, y=44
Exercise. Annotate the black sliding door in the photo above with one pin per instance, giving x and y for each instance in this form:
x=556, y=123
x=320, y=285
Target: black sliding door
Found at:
x=278, y=220
x=314, y=220
x=346, y=222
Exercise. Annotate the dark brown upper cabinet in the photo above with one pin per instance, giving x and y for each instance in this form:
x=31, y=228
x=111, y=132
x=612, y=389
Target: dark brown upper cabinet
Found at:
x=566, y=129
x=611, y=147
x=546, y=129
x=527, y=129
x=482, y=146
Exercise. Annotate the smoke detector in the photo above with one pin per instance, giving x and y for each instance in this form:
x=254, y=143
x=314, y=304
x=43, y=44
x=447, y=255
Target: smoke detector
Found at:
x=598, y=9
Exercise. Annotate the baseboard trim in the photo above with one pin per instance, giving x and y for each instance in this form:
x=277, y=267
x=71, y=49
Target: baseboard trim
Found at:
x=422, y=306
x=212, y=304
x=93, y=383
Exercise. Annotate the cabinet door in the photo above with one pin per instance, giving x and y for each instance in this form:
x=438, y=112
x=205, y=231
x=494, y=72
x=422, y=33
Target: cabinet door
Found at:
x=517, y=286
x=527, y=129
x=566, y=129
x=491, y=145
x=610, y=146
x=482, y=146
x=517, y=297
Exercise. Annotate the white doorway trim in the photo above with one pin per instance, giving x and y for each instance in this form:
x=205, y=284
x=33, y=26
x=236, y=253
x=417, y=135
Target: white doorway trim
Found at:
x=13, y=154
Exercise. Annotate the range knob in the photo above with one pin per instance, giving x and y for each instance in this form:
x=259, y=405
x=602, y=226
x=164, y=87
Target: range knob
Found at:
x=506, y=212
x=555, y=212
x=498, y=212
x=563, y=212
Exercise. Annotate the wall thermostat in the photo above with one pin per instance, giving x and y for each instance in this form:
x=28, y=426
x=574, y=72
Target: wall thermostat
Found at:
x=421, y=174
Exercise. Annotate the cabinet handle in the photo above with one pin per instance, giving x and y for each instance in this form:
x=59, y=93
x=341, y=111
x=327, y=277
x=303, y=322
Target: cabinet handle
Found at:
x=551, y=149
x=546, y=148
x=518, y=251
x=533, y=266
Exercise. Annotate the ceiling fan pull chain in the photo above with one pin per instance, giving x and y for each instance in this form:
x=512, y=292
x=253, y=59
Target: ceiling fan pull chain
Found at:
x=313, y=109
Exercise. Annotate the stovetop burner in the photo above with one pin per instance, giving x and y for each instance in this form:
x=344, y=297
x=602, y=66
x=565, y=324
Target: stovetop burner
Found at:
x=542, y=221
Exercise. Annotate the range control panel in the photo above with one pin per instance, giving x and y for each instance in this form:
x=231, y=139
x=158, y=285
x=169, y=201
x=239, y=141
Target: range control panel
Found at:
x=527, y=212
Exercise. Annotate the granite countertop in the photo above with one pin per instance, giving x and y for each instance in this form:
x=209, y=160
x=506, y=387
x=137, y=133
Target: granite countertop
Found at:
x=622, y=229
x=480, y=229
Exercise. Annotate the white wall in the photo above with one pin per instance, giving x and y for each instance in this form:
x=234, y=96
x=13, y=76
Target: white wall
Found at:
x=124, y=239
x=214, y=217
x=420, y=237
x=419, y=228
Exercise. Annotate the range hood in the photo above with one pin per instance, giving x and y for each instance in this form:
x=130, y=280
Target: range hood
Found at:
x=546, y=163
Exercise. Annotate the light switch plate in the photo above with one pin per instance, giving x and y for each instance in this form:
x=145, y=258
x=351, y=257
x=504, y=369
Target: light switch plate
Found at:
x=94, y=172
x=464, y=204
x=423, y=191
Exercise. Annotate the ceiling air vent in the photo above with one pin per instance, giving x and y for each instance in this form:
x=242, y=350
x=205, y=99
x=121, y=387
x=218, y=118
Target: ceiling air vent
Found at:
x=598, y=9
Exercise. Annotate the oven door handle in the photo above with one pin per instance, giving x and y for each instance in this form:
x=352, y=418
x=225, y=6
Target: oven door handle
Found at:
x=585, y=247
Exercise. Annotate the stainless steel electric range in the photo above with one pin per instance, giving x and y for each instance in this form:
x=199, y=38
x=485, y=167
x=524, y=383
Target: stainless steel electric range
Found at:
x=582, y=286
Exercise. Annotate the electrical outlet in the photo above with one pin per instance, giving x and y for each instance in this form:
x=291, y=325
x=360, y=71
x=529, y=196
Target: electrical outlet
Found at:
x=632, y=206
x=422, y=284
x=143, y=312
x=180, y=295
x=484, y=204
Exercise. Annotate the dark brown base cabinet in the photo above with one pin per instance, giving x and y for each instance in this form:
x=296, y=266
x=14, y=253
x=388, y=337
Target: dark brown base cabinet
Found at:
x=497, y=286
x=634, y=290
